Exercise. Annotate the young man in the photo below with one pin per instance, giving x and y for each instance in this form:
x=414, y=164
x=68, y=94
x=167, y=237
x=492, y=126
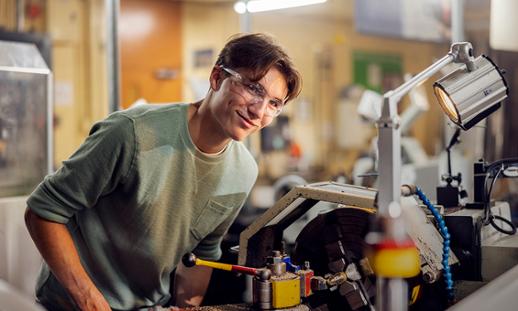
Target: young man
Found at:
x=152, y=183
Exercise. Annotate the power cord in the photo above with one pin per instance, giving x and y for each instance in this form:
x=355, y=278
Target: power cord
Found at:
x=489, y=218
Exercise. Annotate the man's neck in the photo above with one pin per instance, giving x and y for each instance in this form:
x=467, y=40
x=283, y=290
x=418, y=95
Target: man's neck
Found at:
x=204, y=130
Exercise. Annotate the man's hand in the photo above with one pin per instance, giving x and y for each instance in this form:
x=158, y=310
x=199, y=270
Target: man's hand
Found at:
x=91, y=300
x=191, y=285
x=57, y=248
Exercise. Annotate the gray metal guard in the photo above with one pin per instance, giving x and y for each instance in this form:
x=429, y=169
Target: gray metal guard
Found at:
x=297, y=202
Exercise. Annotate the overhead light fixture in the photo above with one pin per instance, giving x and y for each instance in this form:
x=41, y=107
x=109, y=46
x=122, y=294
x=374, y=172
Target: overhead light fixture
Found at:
x=467, y=97
x=240, y=7
x=254, y=6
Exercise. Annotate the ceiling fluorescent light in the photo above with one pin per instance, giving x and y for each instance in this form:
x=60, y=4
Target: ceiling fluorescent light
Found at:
x=240, y=7
x=254, y=6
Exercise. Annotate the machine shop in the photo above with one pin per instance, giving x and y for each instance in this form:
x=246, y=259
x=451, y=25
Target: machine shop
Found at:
x=295, y=155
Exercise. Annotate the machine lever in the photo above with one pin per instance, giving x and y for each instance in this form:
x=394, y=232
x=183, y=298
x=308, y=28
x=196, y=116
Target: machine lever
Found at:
x=190, y=260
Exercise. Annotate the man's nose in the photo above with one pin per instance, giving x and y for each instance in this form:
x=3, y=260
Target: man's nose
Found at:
x=257, y=107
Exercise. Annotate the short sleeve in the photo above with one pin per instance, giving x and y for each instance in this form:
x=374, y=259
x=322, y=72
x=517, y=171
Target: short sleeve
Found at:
x=101, y=163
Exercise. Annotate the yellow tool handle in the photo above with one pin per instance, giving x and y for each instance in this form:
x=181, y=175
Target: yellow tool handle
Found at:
x=213, y=264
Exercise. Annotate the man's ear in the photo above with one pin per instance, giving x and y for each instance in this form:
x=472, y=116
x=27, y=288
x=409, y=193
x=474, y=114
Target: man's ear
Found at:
x=216, y=78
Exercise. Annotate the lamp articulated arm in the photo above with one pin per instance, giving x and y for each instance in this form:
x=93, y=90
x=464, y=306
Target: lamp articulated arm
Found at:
x=460, y=52
x=389, y=165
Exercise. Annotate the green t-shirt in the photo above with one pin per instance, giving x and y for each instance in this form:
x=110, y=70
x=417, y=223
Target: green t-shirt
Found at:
x=136, y=196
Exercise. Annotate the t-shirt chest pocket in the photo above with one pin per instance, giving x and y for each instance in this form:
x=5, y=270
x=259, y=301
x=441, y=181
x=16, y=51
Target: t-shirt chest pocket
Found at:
x=211, y=216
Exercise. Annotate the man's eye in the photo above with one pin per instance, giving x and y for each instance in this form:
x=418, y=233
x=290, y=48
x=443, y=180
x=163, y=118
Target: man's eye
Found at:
x=256, y=89
x=276, y=104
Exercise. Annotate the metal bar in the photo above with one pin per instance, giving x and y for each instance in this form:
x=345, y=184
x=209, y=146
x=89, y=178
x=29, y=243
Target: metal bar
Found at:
x=398, y=93
x=245, y=22
x=457, y=21
x=50, y=123
x=112, y=57
x=389, y=159
x=43, y=71
x=20, y=15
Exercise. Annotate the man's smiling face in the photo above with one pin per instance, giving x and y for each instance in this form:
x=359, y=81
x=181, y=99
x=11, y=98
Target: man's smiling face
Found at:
x=236, y=112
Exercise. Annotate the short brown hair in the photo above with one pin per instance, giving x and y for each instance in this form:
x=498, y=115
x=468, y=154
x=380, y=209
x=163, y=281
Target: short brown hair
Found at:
x=258, y=53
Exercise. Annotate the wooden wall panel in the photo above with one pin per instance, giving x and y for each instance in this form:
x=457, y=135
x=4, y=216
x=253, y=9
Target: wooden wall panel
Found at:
x=8, y=14
x=150, y=45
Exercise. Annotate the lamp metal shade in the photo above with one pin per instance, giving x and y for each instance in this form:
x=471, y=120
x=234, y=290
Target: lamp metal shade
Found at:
x=467, y=97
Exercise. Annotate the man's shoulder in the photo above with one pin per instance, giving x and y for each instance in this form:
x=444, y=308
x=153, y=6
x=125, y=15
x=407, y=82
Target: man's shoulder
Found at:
x=158, y=120
x=145, y=111
x=242, y=150
x=131, y=120
x=245, y=160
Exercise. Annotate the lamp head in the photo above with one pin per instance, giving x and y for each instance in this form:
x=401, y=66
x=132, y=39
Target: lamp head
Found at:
x=468, y=95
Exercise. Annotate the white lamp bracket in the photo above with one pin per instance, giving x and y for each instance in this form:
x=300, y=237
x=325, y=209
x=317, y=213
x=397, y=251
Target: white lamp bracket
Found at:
x=462, y=52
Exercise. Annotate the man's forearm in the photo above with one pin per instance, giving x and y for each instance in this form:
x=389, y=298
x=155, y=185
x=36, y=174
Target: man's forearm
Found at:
x=56, y=246
x=191, y=285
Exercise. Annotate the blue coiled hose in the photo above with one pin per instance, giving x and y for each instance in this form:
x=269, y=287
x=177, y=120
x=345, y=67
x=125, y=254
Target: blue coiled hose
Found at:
x=446, y=243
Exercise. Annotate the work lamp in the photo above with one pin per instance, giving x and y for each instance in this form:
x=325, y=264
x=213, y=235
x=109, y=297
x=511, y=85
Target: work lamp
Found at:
x=467, y=96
